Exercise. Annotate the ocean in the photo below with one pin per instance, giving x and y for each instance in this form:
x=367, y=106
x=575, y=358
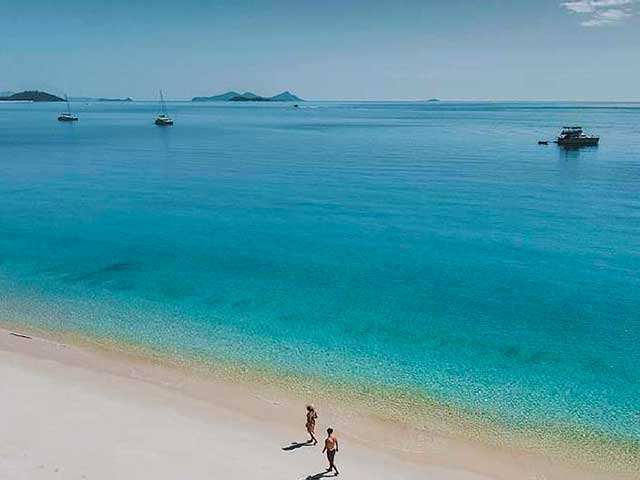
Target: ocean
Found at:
x=421, y=248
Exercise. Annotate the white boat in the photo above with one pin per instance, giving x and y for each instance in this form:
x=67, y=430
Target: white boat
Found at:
x=67, y=116
x=163, y=119
x=575, y=137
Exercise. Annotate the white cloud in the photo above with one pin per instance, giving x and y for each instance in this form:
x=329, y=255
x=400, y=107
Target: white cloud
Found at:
x=601, y=12
x=606, y=17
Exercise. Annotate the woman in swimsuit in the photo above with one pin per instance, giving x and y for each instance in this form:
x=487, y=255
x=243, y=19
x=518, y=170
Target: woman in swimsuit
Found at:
x=311, y=423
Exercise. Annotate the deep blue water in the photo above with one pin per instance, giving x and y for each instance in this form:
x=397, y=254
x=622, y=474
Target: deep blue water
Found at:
x=406, y=245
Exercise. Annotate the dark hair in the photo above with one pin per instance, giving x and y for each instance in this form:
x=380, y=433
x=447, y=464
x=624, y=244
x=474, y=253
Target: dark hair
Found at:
x=329, y=431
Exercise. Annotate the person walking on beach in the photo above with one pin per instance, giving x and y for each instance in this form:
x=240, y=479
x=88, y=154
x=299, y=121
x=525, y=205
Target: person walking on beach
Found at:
x=331, y=447
x=311, y=423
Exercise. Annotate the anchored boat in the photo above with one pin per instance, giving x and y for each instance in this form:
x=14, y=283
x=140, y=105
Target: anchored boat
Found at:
x=575, y=137
x=163, y=119
x=67, y=116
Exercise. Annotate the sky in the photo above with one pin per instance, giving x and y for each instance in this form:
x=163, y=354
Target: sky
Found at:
x=324, y=50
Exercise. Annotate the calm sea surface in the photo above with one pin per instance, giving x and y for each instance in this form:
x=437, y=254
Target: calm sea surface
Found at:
x=428, y=247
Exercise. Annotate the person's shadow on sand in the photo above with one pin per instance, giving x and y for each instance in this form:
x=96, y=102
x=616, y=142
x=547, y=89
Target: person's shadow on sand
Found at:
x=296, y=445
x=317, y=476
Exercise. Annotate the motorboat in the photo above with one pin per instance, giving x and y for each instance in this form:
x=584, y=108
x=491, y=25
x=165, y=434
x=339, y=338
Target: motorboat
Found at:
x=575, y=137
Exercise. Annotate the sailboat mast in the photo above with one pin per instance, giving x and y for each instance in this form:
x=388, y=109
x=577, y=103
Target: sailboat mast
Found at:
x=163, y=108
x=66, y=99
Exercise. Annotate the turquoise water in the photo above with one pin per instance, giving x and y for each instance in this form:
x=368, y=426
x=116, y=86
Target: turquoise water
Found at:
x=420, y=247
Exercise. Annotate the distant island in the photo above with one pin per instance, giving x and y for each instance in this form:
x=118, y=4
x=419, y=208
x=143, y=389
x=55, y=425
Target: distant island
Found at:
x=31, y=96
x=248, y=97
x=93, y=99
x=433, y=100
x=225, y=97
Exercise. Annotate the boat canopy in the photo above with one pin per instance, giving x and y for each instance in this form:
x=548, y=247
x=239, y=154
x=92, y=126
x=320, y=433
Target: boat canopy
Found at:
x=571, y=131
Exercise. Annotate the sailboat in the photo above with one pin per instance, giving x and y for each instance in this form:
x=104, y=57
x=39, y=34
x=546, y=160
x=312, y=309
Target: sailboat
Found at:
x=67, y=116
x=163, y=119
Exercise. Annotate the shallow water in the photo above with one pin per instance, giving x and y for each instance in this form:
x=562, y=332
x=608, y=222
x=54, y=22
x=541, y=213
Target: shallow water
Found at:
x=427, y=247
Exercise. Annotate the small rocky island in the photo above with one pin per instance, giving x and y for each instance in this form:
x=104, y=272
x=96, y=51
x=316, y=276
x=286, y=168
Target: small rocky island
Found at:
x=248, y=97
x=31, y=96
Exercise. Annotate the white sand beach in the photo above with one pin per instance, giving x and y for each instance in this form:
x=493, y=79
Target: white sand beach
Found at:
x=72, y=412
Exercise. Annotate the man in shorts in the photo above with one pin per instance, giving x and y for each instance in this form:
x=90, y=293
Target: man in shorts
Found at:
x=331, y=447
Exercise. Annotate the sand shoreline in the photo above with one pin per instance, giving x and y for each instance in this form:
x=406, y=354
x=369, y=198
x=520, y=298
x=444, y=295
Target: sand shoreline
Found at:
x=110, y=400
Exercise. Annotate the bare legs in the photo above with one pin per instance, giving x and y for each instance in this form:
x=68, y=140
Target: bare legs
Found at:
x=331, y=455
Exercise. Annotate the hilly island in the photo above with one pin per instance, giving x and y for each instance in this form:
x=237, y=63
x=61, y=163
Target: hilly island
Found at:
x=248, y=97
x=31, y=96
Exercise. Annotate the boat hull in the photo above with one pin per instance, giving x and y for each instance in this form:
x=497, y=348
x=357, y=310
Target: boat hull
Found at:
x=579, y=142
x=64, y=118
x=163, y=123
